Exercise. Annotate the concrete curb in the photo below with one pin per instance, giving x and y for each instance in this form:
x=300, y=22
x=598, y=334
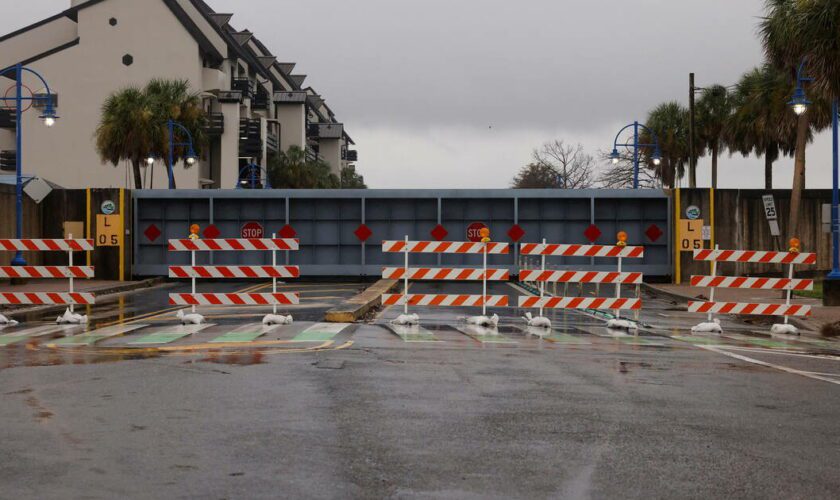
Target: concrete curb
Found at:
x=354, y=308
x=673, y=295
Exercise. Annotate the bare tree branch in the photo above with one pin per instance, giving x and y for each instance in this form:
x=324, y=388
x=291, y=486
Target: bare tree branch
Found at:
x=557, y=165
x=620, y=175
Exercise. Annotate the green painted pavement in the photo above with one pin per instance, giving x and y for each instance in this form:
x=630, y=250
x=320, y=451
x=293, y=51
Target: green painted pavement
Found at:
x=414, y=333
x=166, y=335
x=321, y=332
x=565, y=338
x=760, y=342
x=38, y=331
x=90, y=338
x=485, y=335
x=244, y=334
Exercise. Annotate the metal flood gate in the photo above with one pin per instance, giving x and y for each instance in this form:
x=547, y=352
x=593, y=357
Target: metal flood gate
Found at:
x=326, y=221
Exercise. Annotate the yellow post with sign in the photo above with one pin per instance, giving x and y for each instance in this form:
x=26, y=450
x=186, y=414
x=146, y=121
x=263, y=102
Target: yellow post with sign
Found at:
x=109, y=231
x=677, y=253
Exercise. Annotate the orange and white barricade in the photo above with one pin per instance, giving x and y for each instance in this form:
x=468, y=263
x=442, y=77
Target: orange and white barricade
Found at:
x=788, y=285
x=542, y=276
x=194, y=272
x=70, y=298
x=482, y=274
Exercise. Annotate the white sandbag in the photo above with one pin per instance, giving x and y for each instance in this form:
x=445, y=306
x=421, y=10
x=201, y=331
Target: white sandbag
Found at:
x=483, y=320
x=6, y=321
x=70, y=318
x=538, y=321
x=713, y=327
x=622, y=324
x=277, y=319
x=190, y=319
x=784, y=330
x=406, y=320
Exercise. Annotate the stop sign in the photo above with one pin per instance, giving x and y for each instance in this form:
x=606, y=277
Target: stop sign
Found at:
x=474, y=231
x=252, y=230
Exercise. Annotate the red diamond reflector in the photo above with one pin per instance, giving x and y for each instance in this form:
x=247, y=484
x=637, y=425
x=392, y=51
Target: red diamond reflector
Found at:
x=439, y=232
x=152, y=232
x=211, y=232
x=288, y=232
x=363, y=233
x=592, y=233
x=516, y=233
x=654, y=233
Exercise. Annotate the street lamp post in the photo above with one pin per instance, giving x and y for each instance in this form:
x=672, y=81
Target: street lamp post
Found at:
x=800, y=103
x=191, y=157
x=835, y=197
x=636, y=145
x=49, y=118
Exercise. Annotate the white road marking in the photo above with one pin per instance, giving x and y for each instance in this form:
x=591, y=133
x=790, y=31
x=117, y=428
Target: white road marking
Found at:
x=770, y=365
x=784, y=352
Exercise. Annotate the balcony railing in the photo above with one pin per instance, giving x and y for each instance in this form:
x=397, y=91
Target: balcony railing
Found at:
x=8, y=161
x=350, y=155
x=7, y=118
x=272, y=143
x=250, y=140
x=246, y=86
x=260, y=100
x=215, y=124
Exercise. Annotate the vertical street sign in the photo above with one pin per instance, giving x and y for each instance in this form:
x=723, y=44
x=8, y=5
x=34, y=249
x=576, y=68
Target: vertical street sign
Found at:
x=771, y=214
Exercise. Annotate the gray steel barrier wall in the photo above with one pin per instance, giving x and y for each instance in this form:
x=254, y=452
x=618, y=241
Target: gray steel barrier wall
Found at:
x=325, y=221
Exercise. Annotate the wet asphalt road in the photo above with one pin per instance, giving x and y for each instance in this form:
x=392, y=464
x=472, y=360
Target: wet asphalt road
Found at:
x=580, y=414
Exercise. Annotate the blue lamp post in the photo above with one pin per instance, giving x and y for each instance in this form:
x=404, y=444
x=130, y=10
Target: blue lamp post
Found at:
x=49, y=118
x=636, y=146
x=835, y=196
x=251, y=175
x=799, y=103
x=191, y=157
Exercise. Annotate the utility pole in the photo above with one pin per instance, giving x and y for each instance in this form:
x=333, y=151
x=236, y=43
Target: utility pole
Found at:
x=692, y=158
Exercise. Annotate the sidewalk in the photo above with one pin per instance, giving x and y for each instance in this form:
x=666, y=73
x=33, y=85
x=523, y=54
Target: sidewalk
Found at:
x=820, y=315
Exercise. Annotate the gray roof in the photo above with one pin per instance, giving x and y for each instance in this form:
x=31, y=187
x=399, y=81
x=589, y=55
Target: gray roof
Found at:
x=296, y=96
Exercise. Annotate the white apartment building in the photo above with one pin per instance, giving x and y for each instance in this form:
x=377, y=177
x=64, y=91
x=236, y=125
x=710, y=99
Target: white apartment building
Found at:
x=256, y=104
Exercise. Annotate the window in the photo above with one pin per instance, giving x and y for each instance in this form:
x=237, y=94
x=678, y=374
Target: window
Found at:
x=128, y=59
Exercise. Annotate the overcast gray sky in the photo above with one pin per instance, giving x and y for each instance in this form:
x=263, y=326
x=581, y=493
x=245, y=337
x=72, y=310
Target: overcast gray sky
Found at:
x=457, y=93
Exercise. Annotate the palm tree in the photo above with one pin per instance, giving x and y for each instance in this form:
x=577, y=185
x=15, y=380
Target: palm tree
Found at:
x=125, y=130
x=173, y=100
x=291, y=170
x=761, y=122
x=796, y=31
x=133, y=123
x=669, y=121
x=713, y=110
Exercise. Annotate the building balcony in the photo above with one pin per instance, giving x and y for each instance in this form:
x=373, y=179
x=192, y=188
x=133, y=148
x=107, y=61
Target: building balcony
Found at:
x=272, y=143
x=8, y=161
x=212, y=79
x=250, y=138
x=350, y=155
x=215, y=124
x=7, y=118
x=247, y=87
x=260, y=100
